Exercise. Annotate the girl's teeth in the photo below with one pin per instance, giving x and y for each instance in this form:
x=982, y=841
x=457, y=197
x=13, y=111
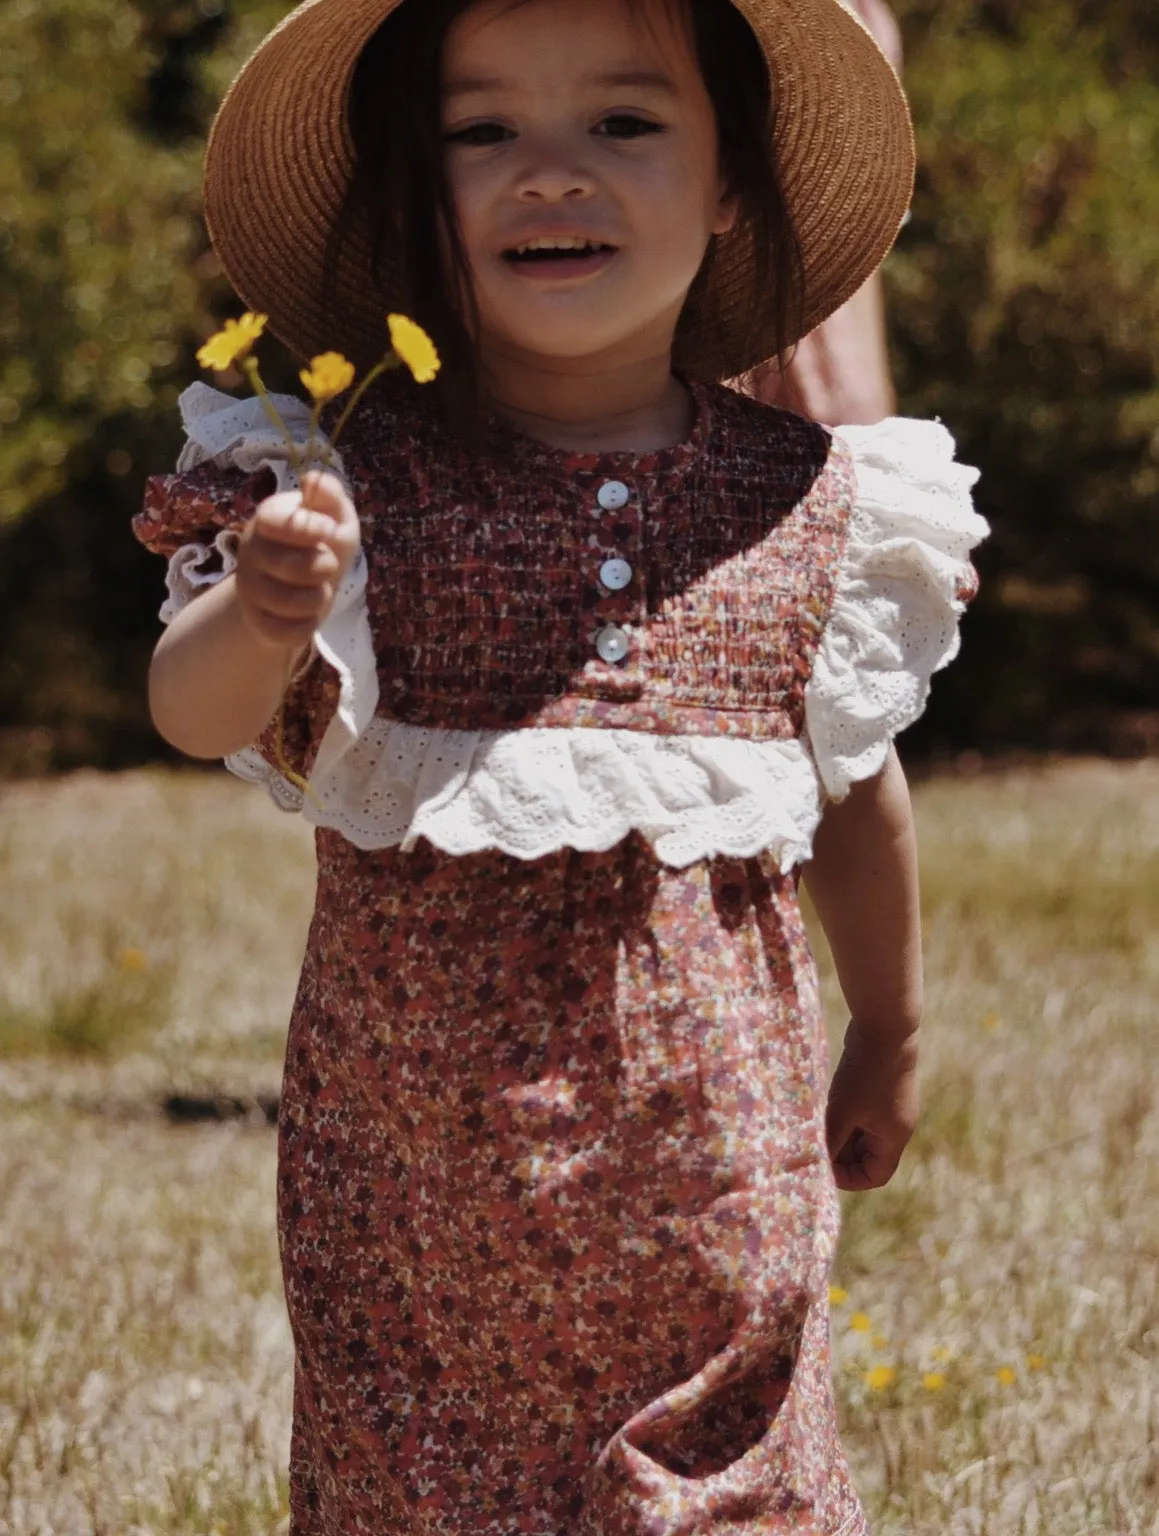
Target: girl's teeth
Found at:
x=555, y=245
x=558, y=245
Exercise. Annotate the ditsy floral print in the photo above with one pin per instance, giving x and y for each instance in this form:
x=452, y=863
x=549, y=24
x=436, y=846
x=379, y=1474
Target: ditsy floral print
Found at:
x=555, y=1210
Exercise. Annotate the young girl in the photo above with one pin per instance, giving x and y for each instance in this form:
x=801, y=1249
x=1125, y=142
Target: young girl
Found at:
x=582, y=642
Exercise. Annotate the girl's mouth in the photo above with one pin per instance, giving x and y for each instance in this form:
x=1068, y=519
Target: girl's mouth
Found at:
x=559, y=256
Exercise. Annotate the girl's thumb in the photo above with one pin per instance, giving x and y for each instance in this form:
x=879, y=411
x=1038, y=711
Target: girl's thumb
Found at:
x=322, y=491
x=839, y=1126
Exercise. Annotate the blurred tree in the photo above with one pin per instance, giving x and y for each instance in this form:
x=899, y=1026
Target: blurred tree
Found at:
x=98, y=233
x=1024, y=300
x=107, y=287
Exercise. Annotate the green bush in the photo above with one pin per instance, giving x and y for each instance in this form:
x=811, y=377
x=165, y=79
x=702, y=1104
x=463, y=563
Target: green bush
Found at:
x=1024, y=301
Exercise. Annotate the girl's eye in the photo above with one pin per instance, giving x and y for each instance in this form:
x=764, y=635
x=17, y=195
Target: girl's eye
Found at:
x=626, y=125
x=480, y=133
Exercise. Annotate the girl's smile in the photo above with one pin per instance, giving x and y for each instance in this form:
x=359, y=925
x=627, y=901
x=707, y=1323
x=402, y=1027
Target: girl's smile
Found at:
x=583, y=162
x=558, y=255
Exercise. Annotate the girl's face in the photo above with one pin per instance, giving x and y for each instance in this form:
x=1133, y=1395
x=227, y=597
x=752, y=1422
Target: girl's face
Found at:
x=582, y=157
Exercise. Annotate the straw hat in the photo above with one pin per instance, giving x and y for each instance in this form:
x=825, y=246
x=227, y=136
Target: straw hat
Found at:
x=279, y=159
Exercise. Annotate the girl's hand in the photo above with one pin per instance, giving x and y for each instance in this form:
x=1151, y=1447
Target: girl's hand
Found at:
x=873, y=1107
x=292, y=558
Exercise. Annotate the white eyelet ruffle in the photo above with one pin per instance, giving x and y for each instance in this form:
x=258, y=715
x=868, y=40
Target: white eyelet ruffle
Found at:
x=239, y=433
x=894, y=620
x=528, y=793
x=532, y=792
x=235, y=434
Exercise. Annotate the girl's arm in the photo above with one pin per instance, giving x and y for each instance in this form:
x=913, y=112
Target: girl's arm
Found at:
x=863, y=880
x=220, y=669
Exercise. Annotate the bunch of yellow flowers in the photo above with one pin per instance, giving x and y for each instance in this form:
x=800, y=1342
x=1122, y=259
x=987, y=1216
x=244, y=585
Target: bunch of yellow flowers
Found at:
x=328, y=376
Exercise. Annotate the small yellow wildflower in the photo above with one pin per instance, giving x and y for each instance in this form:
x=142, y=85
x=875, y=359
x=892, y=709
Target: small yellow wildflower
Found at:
x=940, y=1352
x=860, y=1323
x=838, y=1295
x=328, y=375
x=1006, y=1376
x=414, y=346
x=992, y=1022
x=879, y=1341
x=224, y=349
x=134, y=960
x=933, y=1381
x=1035, y=1362
x=879, y=1377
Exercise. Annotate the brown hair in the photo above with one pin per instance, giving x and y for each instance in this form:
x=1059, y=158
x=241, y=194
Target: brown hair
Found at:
x=394, y=116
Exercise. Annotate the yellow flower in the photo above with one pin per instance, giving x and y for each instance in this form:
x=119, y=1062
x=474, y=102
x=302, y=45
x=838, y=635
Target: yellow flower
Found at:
x=940, y=1352
x=880, y=1377
x=933, y=1381
x=838, y=1295
x=328, y=375
x=134, y=960
x=220, y=351
x=879, y=1341
x=1006, y=1376
x=1035, y=1362
x=414, y=347
x=860, y=1323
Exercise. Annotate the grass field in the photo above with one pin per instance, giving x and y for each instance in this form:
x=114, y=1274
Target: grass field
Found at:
x=995, y=1311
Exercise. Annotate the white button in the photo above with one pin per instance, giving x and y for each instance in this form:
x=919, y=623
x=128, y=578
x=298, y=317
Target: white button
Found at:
x=612, y=643
x=613, y=495
x=615, y=574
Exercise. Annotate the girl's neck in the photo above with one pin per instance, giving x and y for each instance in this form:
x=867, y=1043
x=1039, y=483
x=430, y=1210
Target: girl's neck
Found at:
x=624, y=409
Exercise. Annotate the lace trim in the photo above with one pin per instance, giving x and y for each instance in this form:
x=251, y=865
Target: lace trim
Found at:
x=901, y=590
x=532, y=792
x=186, y=575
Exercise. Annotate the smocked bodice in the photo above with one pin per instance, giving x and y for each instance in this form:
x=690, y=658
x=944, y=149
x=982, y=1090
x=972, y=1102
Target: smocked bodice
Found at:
x=538, y=648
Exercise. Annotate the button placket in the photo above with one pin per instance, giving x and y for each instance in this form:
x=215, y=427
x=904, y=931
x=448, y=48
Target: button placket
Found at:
x=613, y=642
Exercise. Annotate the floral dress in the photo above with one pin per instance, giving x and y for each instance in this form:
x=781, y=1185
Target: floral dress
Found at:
x=555, y=1210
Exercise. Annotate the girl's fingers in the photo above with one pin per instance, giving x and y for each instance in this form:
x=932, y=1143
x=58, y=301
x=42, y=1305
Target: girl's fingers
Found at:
x=322, y=492
x=865, y=1161
x=321, y=513
x=282, y=519
x=294, y=553
x=325, y=492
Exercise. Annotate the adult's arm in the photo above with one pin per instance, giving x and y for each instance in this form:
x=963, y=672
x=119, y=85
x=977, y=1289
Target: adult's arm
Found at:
x=840, y=373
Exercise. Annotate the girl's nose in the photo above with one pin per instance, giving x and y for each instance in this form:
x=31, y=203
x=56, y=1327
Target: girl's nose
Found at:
x=553, y=178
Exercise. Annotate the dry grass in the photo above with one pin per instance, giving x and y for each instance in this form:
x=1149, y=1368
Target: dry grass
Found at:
x=150, y=931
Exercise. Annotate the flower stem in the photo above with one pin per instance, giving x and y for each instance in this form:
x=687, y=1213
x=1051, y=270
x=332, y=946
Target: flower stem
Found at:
x=308, y=451
x=284, y=767
x=249, y=367
x=391, y=360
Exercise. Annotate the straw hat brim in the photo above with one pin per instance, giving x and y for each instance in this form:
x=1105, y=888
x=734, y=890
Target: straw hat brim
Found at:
x=279, y=157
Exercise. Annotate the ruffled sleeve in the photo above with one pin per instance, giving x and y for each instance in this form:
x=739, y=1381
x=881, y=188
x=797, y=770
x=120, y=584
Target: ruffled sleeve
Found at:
x=233, y=458
x=903, y=585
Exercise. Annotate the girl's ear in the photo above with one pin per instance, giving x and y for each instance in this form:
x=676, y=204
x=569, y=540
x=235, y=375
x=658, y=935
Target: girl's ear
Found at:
x=727, y=210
